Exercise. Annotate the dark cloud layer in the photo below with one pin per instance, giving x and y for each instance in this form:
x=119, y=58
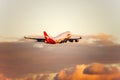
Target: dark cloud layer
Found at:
x=19, y=59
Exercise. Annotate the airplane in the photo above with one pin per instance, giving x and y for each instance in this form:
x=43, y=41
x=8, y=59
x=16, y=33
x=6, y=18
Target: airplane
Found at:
x=61, y=38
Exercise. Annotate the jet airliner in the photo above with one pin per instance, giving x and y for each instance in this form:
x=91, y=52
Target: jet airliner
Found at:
x=61, y=38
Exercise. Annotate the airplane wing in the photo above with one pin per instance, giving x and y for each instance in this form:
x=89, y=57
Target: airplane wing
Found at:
x=38, y=39
x=74, y=39
x=65, y=40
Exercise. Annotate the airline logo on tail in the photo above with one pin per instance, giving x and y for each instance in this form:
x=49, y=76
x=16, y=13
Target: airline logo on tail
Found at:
x=48, y=39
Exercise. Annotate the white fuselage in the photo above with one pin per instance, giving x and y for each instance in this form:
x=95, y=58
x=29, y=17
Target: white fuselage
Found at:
x=63, y=36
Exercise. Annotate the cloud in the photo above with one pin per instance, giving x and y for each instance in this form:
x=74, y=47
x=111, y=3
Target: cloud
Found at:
x=93, y=71
x=97, y=68
x=45, y=76
x=2, y=77
x=99, y=39
x=104, y=39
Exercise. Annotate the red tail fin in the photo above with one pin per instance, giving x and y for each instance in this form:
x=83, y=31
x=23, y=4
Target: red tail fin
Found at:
x=48, y=39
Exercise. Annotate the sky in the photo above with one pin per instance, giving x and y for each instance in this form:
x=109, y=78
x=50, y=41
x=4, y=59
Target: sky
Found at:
x=29, y=17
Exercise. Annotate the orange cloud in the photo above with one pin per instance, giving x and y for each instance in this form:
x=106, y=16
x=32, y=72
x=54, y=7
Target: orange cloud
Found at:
x=2, y=77
x=97, y=69
x=90, y=72
x=99, y=39
x=103, y=38
x=93, y=71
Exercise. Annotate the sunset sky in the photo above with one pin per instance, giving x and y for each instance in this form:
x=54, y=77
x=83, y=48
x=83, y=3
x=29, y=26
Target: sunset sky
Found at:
x=26, y=17
x=95, y=57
